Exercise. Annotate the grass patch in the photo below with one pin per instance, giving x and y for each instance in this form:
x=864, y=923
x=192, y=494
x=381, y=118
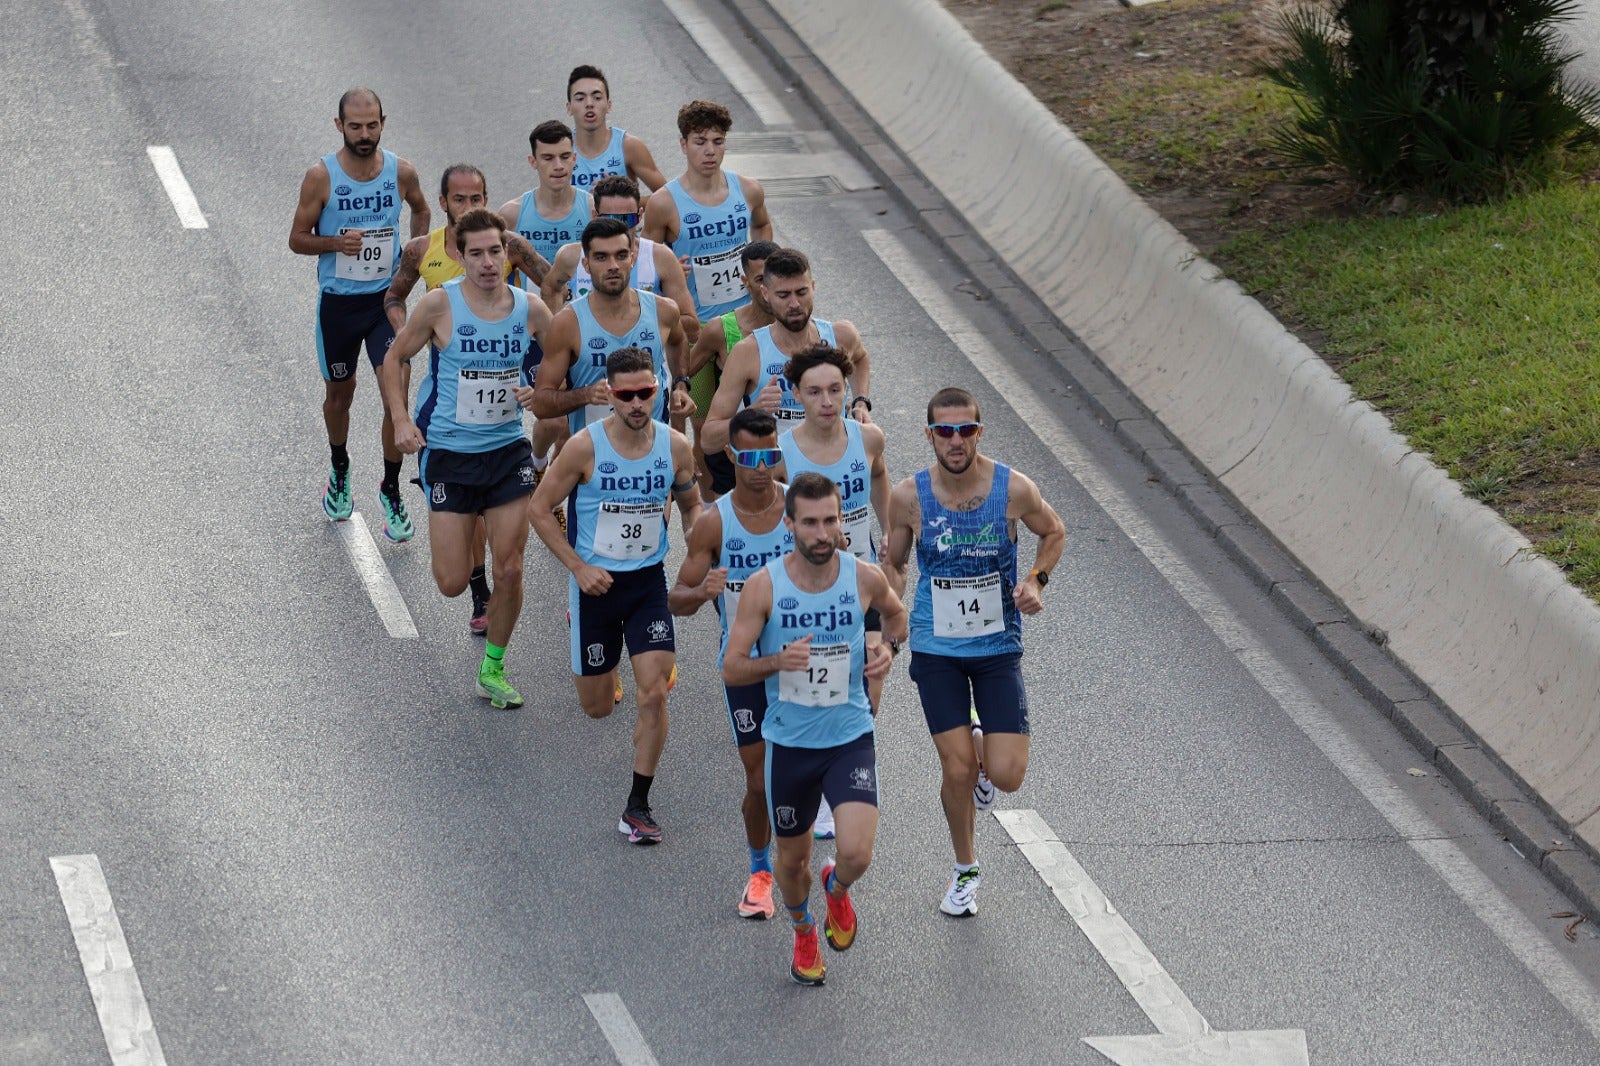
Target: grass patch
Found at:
x=1164, y=126
x=1475, y=331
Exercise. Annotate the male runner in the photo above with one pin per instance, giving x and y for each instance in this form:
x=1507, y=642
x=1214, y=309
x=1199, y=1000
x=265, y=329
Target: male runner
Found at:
x=849, y=452
x=753, y=373
x=435, y=260
x=800, y=629
x=966, y=625
x=602, y=149
x=731, y=541
x=719, y=338
x=468, y=426
x=620, y=471
x=553, y=212
x=572, y=378
x=348, y=216
x=708, y=215
x=654, y=268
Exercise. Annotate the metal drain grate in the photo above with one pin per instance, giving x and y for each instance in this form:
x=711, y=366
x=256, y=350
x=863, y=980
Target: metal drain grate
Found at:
x=794, y=188
x=751, y=143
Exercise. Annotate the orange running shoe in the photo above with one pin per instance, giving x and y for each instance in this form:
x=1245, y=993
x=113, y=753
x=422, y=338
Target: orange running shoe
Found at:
x=672, y=681
x=616, y=697
x=841, y=922
x=757, y=901
x=807, y=967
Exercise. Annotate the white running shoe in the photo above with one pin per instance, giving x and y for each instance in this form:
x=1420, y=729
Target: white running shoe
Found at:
x=822, y=829
x=983, y=792
x=961, y=898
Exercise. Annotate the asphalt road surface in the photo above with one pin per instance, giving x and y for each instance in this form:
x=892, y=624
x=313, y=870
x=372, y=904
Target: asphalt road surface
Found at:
x=322, y=848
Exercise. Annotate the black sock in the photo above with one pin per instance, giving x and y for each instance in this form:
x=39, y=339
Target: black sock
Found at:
x=640, y=796
x=391, y=477
x=341, y=456
x=479, y=582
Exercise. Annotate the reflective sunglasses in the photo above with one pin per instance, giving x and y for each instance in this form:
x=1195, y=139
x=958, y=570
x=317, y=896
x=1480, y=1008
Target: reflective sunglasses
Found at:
x=966, y=429
x=631, y=219
x=755, y=457
x=630, y=395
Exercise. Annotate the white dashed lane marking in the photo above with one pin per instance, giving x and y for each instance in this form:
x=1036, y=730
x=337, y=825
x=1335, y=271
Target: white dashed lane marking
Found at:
x=177, y=186
x=113, y=984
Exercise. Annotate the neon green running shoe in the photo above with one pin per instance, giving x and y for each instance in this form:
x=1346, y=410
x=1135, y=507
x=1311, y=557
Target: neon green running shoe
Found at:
x=336, y=501
x=492, y=686
x=396, y=523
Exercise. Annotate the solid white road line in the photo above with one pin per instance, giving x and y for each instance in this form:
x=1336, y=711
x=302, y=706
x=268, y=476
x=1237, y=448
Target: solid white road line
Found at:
x=728, y=57
x=1525, y=940
x=118, y=997
x=626, y=1041
x=177, y=186
x=374, y=574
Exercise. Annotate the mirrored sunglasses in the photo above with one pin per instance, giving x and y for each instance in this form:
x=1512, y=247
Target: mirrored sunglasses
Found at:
x=631, y=219
x=947, y=430
x=755, y=457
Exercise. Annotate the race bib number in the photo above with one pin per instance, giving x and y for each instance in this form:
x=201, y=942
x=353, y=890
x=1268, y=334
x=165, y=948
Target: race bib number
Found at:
x=967, y=606
x=825, y=682
x=858, y=531
x=595, y=412
x=487, y=397
x=374, y=262
x=628, y=531
x=716, y=277
x=730, y=600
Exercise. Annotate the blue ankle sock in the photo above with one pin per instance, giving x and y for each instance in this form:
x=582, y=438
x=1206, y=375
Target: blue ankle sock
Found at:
x=801, y=915
x=760, y=859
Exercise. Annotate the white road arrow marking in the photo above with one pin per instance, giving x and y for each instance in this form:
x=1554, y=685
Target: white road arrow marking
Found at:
x=1185, y=1037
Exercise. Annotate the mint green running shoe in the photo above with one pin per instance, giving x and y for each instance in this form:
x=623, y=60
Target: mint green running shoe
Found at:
x=396, y=523
x=492, y=687
x=336, y=501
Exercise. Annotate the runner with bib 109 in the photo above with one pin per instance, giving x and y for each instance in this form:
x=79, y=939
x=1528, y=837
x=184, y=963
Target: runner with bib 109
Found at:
x=743, y=532
x=800, y=629
x=475, y=459
x=349, y=217
x=620, y=472
x=961, y=515
x=753, y=374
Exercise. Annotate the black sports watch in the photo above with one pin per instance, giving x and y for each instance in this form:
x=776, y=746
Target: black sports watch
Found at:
x=862, y=399
x=682, y=379
x=1042, y=576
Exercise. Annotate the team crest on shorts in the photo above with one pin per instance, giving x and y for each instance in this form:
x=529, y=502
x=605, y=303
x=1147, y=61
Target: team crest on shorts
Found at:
x=785, y=816
x=744, y=719
x=861, y=779
x=526, y=474
x=597, y=654
x=338, y=370
x=438, y=492
x=660, y=630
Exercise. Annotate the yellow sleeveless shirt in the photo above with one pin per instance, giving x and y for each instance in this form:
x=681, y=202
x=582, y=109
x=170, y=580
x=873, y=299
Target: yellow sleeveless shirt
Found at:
x=437, y=266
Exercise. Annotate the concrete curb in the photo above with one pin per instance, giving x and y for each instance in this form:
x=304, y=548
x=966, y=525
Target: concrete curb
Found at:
x=1493, y=630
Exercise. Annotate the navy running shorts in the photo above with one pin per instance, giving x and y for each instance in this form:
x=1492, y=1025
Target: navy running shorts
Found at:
x=798, y=778
x=951, y=686
x=475, y=482
x=344, y=323
x=747, y=709
x=632, y=611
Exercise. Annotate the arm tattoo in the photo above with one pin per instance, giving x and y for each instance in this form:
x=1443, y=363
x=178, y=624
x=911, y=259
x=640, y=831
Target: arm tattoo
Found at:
x=530, y=262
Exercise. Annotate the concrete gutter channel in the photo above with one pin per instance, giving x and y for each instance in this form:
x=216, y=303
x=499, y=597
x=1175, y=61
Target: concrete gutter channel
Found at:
x=1491, y=665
